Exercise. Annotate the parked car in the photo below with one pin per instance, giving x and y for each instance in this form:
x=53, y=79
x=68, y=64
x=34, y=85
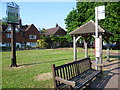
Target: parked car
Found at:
x=110, y=44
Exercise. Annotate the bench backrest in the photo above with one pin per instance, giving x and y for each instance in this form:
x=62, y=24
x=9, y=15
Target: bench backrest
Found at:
x=70, y=70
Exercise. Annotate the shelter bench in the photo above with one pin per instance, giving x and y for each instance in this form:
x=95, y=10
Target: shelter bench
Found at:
x=74, y=75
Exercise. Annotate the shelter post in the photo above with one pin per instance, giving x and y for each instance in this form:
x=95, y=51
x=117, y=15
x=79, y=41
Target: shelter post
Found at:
x=108, y=50
x=101, y=49
x=86, y=48
x=74, y=48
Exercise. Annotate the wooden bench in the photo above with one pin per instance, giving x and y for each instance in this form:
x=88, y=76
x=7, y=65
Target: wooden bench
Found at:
x=74, y=75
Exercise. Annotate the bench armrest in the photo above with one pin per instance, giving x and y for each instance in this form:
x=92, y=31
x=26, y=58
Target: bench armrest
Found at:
x=72, y=83
x=100, y=65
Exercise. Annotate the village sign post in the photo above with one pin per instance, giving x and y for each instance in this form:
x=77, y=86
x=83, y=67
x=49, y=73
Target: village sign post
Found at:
x=13, y=18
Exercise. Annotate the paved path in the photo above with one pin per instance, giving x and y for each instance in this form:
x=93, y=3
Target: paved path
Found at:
x=114, y=72
x=111, y=76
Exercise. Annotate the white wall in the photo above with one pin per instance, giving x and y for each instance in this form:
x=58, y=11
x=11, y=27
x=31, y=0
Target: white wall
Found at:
x=32, y=44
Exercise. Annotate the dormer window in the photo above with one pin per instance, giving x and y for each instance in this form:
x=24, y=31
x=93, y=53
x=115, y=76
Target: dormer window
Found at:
x=32, y=36
x=16, y=29
x=9, y=29
x=8, y=35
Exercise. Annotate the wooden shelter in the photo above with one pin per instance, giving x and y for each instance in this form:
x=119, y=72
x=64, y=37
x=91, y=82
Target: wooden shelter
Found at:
x=87, y=31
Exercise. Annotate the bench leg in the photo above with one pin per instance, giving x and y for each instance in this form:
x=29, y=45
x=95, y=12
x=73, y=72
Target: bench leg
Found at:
x=71, y=88
x=100, y=76
x=90, y=84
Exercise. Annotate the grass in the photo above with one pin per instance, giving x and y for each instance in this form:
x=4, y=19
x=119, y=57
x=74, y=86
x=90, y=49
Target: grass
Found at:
x=34, y=62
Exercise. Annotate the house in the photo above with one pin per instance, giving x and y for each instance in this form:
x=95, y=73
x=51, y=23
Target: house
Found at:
x=55, y=32
x=26, y=35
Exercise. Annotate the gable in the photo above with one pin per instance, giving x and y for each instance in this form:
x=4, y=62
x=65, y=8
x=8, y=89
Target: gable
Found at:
x=32, y=29
x=61, y=32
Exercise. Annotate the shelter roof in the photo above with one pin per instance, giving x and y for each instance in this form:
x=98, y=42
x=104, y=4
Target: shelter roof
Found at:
x=89, y=28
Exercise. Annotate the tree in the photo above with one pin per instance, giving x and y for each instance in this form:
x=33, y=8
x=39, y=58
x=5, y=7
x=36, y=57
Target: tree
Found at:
x=71, y=23
x=85, y=11
x=4, y=21
x=112, y=20
x=42, y=41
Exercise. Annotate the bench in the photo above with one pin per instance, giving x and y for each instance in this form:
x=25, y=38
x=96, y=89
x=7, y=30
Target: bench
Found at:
x=74, y=75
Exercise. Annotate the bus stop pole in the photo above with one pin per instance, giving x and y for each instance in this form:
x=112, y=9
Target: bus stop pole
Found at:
x=96, y=32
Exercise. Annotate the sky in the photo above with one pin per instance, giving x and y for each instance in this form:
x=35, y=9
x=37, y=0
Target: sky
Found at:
x=43, y=14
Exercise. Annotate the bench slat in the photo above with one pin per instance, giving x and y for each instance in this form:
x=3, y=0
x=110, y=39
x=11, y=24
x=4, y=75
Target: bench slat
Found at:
x=80, y=81
x=68, y=72
x=64, y=73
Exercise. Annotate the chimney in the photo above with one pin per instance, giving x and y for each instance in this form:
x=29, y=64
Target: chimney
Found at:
x=57, y=25
x=20, y=22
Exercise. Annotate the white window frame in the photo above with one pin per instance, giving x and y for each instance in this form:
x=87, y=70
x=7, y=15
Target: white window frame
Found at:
x=8, y=35
x=16, y=30
x=9, y=29
x=8, y=44
x=33, y=44
x=32, y=36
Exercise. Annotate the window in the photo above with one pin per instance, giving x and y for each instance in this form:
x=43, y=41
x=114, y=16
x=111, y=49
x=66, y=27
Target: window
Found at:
x=58, y=35
x=9, y=29
x=32, y=36
x=33, y=44
x=16, y=30
x=8, y=35
x=8, y=44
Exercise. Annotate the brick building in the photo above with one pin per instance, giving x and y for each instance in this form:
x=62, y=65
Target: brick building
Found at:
x=26, y=35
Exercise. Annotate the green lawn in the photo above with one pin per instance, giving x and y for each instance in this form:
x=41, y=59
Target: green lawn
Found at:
x=34, y=62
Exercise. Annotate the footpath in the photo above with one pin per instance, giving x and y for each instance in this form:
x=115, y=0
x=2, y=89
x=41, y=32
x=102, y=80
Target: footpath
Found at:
x=111, y=76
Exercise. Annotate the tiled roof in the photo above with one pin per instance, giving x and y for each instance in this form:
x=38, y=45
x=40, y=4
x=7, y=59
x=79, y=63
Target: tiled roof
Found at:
x=4, y=27
x=89, y=28
x=55, y=31
x=29, y=26
x=24, y=27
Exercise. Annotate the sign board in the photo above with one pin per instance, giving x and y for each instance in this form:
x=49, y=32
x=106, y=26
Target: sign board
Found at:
x=98, y=47
x=101, y=12
x=12, y=12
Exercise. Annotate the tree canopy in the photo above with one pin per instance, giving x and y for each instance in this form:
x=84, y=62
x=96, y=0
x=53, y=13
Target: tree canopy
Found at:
x=4, y=21
x=85, y=11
